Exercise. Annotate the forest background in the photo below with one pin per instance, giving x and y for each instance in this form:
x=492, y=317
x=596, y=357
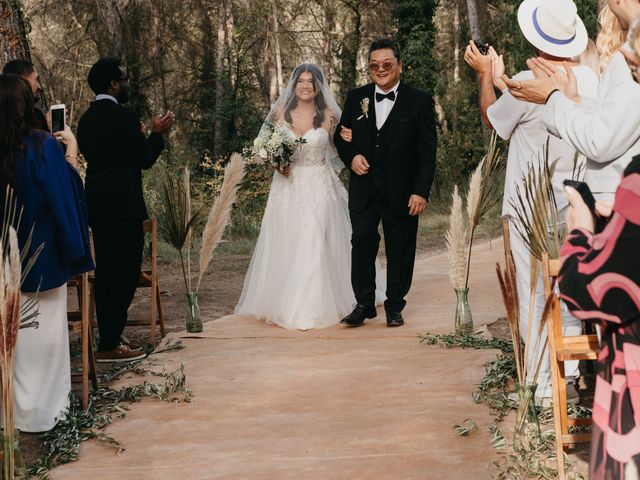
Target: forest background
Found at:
x=219, y=64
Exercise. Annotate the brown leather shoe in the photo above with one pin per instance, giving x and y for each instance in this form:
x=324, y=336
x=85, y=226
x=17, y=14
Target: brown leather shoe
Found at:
x=121, y=353
x=133, y=345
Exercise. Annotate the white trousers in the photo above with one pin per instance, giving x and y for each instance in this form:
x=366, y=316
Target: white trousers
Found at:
x=571, y=326
x=42, y=375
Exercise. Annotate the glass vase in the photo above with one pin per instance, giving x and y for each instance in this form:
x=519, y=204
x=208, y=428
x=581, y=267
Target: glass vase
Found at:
x=194, y=321
x=11, y=447
x=526, y=432
x=464, y=321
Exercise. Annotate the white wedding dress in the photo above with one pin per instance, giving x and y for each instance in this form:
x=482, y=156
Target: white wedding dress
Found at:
x=300, y=273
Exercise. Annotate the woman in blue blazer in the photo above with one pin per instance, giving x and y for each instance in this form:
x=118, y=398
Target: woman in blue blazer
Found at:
x=49, y=191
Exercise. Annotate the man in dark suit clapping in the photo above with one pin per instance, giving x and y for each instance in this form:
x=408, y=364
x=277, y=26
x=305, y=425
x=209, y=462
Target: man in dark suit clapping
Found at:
x=387, y=138
x=113, y=142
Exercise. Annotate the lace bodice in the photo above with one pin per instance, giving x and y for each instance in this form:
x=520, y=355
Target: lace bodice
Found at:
x=313, y=152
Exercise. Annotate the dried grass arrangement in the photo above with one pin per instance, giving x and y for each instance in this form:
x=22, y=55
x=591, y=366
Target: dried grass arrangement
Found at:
x=537, y=219
x=10, y=280
x=13, y=317
x=482, y=194
x=526, y=429
x=176, y=223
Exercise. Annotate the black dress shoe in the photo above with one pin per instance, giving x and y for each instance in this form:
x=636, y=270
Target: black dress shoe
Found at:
x=358, y=316
x=394, y=319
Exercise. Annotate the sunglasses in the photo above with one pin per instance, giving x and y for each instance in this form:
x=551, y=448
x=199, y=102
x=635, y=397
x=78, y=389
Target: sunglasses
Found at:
x=374, y=67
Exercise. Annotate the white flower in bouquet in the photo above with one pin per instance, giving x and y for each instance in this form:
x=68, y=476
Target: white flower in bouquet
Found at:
x=275, y=145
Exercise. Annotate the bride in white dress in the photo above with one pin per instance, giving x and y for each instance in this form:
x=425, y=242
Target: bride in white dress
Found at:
x=299, y=276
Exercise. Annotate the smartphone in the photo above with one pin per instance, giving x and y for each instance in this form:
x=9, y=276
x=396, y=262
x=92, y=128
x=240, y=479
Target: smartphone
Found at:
x=483, y=47
x=585, y=192
x=58, y=117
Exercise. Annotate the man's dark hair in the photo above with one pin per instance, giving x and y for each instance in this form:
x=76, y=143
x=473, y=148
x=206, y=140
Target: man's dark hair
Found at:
x=384, y=43
x=103, y=72
x=18, y=67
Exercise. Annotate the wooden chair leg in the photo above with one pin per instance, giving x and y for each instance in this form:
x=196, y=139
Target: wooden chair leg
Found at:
x=84, y=307
x=92, y=306
x=92, y=361
x=163, y=332
x=154, y=306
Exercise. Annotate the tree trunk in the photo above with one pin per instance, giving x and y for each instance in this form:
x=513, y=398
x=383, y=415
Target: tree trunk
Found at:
x=13, y=33
x=220, y=44
x=349, y=51
x=276, y=46
x=456, y=44
x=474, y=20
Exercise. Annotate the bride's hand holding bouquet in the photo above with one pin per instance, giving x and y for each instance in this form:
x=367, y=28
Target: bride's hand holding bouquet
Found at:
x=275, y=145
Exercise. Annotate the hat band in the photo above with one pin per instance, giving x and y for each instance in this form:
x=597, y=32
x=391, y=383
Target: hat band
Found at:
x=548, y=38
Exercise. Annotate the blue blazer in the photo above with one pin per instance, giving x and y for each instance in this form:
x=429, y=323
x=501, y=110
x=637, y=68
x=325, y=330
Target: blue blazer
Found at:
x=51, y=193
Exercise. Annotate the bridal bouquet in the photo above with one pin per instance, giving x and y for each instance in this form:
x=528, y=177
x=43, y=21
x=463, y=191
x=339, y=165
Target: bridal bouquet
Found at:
x=275, y=145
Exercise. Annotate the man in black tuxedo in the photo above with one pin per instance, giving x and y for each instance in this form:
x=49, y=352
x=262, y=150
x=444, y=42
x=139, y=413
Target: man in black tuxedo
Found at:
x=113, y=142
x=389, y=143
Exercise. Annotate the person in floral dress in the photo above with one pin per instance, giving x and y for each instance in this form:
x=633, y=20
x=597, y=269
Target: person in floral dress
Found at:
x=600, y=280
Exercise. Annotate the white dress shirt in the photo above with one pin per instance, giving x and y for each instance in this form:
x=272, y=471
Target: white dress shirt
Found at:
x=383, y=108
x=607, y=132
x=104, y=96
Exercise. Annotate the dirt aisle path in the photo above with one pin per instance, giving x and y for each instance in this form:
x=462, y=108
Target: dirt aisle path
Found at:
x=367, y=403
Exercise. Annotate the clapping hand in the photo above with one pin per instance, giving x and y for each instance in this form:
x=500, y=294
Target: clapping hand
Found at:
x=564, y=80
x=534, y=91
x=498, y=70
x=162, y=123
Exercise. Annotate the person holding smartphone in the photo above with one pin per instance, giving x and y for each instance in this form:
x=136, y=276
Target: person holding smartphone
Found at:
x=557, y=33
x=117, y=150
x=50, y=194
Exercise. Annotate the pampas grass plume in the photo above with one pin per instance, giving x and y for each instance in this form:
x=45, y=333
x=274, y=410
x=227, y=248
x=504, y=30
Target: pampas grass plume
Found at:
x=474, y=195
x=456, y=238
x=220, y=212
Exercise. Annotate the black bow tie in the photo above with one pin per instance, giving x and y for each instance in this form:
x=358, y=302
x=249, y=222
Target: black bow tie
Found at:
x=381, y=96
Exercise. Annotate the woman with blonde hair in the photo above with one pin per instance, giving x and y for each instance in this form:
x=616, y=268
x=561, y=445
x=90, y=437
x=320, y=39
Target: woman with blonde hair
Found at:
x=611, y=37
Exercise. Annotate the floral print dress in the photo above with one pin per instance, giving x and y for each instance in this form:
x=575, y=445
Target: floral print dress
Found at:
x=600, y=279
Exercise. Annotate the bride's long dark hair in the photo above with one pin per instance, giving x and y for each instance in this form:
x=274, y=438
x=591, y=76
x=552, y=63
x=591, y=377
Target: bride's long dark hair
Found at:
x=319, y=101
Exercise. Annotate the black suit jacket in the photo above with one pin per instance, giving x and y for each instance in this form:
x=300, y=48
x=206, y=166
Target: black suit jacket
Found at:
x=116, y=150
x=406, y=161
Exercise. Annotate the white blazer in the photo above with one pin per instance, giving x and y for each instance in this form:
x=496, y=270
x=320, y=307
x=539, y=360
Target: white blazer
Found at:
x=607, y=132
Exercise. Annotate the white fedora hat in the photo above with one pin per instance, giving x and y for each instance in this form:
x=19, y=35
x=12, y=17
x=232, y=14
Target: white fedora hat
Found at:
x=553, y=26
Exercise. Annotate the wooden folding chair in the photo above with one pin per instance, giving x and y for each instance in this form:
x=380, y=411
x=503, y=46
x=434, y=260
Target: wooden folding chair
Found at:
x=78, y=321
x=562, y=349
x=148, y=279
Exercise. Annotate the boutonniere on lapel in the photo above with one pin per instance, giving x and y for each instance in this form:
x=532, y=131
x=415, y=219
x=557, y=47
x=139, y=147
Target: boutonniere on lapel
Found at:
x=364, y=105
